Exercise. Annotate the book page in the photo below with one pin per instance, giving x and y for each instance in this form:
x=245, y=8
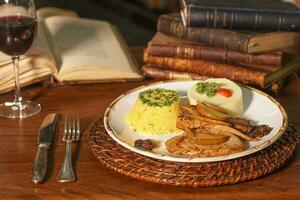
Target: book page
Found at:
x=46, y=12
x=89, y=49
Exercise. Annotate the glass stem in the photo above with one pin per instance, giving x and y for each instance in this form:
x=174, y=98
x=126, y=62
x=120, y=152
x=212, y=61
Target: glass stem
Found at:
x=18, y=97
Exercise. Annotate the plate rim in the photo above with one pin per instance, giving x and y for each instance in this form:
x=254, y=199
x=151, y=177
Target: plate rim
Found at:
x=248, y=151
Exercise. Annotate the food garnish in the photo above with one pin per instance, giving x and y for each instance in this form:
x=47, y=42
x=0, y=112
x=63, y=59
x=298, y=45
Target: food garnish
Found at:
x=208, y=88
x=224, y=92
x=159, y=97
x=211, y=89
x=146, y=145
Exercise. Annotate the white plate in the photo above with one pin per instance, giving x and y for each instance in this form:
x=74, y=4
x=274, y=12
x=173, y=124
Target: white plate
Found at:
x=258, y=107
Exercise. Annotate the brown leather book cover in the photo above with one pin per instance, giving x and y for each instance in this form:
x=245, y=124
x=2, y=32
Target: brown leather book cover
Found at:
x=237, y=73
x=235, y=40
x=209, y=68
x=165, y=74
x=157, y=73
x=169, y=46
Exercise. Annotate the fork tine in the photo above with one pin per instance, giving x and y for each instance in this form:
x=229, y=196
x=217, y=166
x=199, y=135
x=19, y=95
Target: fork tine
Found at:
x=77, y=128
x=73, y=128
x=69, y=128
x=65, y=137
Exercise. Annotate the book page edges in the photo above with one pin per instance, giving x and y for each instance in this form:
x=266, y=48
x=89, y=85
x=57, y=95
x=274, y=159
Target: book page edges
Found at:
x=132, y=61
x=273, y=41
x=95, y=74
x=285, y=71
x=32, y=69
x=11, y=87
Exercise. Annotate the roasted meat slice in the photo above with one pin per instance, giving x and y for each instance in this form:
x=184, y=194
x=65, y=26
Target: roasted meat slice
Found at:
x=192, y=113
x=190, y=146
x=190, y=118
x=187, y=123
x=246, y=127
x=210, y=112
x=241, y=124
x=260, y=131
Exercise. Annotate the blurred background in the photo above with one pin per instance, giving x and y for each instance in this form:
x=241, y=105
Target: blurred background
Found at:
x=136, y=19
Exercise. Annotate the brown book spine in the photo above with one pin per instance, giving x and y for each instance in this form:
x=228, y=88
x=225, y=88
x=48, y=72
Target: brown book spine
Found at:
x=155, y=72
x=198, y=51
x=172, y=25
x=209, y=68
x=164, y=74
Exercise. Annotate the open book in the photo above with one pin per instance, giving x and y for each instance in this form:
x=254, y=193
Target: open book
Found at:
x=72, y=49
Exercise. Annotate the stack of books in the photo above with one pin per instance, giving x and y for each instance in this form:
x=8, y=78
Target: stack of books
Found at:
x=243, y=43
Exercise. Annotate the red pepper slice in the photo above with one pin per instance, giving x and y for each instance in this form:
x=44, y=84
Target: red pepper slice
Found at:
x=224, y=92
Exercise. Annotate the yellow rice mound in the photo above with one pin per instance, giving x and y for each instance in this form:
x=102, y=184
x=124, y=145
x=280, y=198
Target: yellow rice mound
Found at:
x=145, y=118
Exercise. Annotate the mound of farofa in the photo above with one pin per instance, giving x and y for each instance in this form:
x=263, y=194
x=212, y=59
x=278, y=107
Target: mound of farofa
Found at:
x=155, y=112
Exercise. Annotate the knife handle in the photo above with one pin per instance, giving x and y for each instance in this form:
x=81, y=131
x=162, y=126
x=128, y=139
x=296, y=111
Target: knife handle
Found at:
x=39, y=168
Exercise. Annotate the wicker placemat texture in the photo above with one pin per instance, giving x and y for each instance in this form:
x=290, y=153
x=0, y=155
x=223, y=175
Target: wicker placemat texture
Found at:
x=126, y=162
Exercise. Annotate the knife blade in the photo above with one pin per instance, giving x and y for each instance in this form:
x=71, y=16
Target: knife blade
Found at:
x=46, y=134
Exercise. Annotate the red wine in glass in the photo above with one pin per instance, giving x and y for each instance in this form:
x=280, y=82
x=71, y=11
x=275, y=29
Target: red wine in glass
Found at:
x=17, y=34
x=18, y=27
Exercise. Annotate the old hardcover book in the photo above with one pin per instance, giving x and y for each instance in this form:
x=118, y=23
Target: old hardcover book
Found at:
x=237, y=73
x=247, y=15
x=169, y=46
x=72, y=49
x=235, y=40
x=165, y=74
x=156, y=72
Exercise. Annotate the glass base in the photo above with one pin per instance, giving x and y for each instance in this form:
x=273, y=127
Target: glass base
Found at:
x=19, y=110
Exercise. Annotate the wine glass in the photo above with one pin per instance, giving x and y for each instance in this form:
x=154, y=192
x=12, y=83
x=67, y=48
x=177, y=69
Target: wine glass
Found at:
x=18, y=27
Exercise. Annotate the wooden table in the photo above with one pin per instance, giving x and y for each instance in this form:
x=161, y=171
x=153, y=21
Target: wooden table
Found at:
x=18, y=143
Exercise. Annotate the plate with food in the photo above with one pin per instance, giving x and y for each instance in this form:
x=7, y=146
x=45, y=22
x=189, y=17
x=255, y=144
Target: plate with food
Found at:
x=195, y=121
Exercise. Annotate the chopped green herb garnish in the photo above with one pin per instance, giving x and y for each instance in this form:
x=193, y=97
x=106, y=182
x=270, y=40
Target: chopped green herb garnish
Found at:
x=208, y=88
x=159, y=97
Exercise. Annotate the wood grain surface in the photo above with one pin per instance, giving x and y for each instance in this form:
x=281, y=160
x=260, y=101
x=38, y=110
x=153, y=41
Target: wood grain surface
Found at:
x=18, y=142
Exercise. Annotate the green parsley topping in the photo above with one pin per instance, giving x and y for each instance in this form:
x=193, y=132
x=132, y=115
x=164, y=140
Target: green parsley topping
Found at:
x=208, y=88
x=159, y=97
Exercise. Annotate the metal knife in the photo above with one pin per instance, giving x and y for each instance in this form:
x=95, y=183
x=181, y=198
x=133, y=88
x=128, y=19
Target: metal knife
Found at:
x=46, y=134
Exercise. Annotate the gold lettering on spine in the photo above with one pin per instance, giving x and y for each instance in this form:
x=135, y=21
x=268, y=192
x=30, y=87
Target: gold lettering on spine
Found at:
x=280, y=22
x=215, y=17
x=176, y=29
x=256, y=21
x=188, y=52
x=192, y=52
x=224, y=19
x=178, y=51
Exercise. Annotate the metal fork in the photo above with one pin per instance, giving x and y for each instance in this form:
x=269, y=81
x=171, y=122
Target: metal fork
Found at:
x=71, y=134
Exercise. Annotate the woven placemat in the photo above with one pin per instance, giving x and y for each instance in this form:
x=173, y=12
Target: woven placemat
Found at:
x=126, y=162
